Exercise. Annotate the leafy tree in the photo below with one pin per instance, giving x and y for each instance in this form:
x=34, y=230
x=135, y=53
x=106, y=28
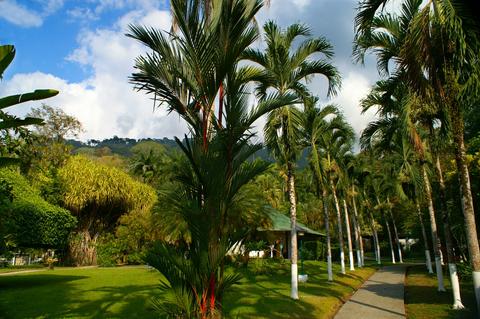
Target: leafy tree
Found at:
x=98, y=196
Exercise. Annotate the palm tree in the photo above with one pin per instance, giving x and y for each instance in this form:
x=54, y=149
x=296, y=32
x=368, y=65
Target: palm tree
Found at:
x=439, y=61
x=335, y=147
x=397, y=122
x=349, y=236
x=315, y=124
x=287, y=71
x=386, y=35
x=354, y=172
x=185, y=73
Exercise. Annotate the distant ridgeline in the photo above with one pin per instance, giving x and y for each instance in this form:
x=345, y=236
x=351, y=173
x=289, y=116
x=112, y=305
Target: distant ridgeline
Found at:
x=122, y=146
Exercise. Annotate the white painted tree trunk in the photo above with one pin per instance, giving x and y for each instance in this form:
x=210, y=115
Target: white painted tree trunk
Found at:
x=340, y=231
x=428, y=260
x=457, y=299
x=376, y=242
x=395, y=232
x=452, y=267
x=293, y=232
x=476, y=286
x=466, y=199
x=358, y=238
x=433, y=226
x=327, y=232
x=349, y=236
x=392, y=251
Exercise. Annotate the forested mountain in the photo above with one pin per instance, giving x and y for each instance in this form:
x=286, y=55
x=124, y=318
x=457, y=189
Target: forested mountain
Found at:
x=122, y=146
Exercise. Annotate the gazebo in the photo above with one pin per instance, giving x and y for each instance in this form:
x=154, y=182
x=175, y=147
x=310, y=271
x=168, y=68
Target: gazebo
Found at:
x=278, y=233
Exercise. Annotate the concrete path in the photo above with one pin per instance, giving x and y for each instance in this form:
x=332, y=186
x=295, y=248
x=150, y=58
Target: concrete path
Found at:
x=21, y=272
x=380, y=297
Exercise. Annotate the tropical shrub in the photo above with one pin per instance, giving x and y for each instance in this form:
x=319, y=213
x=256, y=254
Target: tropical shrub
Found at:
x=31, y=221
x=109, y=252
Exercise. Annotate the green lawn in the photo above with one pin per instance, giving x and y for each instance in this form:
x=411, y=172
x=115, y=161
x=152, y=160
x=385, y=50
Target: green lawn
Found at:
x=268, y=295
x=125, y=293
x=422, y=300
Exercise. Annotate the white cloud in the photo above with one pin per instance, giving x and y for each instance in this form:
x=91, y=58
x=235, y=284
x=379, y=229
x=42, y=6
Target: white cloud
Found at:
x=84, y=14
x=51, y=6
x=20, y=15
x=355, y=88
x=105, y=103
x=17, y=14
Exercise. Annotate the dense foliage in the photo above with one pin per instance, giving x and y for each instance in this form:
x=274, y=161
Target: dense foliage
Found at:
x=30, y=220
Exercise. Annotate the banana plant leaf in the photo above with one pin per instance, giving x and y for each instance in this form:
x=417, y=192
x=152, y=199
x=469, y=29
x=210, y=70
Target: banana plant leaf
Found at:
x=16, y=122
x=7, y=53
x=21, y=98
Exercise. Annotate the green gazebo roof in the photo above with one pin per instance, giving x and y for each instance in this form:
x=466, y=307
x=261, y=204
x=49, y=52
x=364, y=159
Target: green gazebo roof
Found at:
x=281, y=223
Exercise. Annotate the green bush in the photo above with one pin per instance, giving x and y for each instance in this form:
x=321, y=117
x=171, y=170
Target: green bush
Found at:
x=30, y=220
x=108, y=251
x=312, y=250
x=464, y=271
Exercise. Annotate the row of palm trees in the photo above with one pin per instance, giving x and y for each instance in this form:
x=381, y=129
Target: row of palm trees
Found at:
x=427, y=55
x=198, y=71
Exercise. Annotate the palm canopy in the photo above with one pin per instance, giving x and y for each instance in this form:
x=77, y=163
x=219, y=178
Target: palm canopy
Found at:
x=316, y=122
x=186, y=70
x=288, y=69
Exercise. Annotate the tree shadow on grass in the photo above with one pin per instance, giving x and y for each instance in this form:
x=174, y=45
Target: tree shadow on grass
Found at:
x=268, y=295
x=20, y=281
x=422, y=296
x=132, y=301
x=31, y=295
x=55, y=296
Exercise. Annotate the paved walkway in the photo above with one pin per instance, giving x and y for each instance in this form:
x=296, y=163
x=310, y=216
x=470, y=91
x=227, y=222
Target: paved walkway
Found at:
x=21, y=272
x=380, y=297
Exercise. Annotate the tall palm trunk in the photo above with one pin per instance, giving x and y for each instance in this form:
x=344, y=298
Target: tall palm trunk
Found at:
x=327, y=232
x=349, y=236
x=428, y=260
x=293, y=231
x=392, y=251
x=378, y=256
x=435, y=239
x=358, y=234
x=395, y=232
x=452, y=267
x=467, y=201
x=340, y=230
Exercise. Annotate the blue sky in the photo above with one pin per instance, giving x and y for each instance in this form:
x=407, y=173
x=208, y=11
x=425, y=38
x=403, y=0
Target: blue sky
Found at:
x=79, y=48
x=49, y=33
